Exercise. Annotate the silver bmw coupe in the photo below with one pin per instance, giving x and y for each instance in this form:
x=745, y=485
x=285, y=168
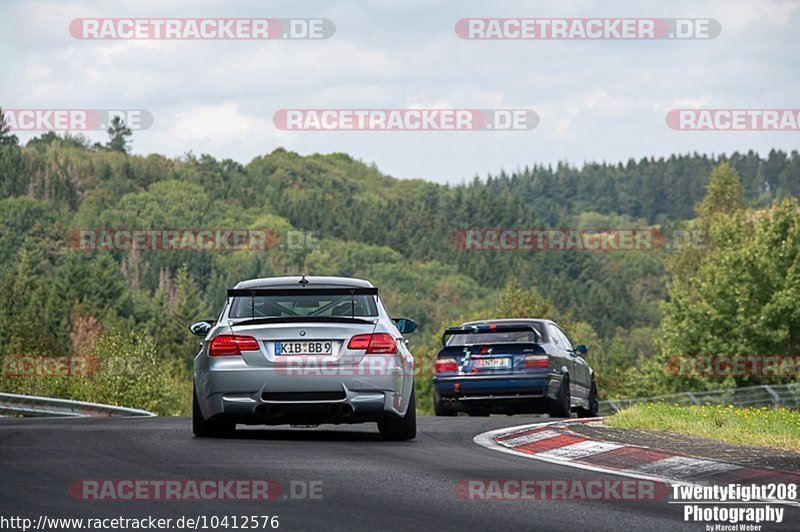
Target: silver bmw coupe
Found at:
x=304, y=351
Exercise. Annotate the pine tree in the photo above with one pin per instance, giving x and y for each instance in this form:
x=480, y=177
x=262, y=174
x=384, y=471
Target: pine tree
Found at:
x=188, y=307
x=5, y=137
x=724, y=194
x=118, y=136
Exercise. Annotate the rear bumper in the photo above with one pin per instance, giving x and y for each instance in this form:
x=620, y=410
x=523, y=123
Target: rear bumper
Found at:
x=353, y=407
x=498, y=388
x=259, y=395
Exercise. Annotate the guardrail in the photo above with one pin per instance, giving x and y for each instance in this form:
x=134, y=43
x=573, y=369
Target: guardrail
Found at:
x=785, y=395
x=32, y=406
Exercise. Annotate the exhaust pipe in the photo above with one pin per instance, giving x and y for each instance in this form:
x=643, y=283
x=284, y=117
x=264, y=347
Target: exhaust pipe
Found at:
x=342, y=409
x=265, y=410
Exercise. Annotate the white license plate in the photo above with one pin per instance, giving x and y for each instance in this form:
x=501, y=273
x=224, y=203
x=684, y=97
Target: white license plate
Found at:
x=492, y=363
x=303, y=348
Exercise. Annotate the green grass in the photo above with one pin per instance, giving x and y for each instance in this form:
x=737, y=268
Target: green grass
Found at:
x=763, y=427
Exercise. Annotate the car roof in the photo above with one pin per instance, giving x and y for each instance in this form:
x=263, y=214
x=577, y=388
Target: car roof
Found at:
x=313, y=281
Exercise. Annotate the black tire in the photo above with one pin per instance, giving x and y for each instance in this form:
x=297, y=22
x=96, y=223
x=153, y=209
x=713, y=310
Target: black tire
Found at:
x=213, y=428
x=594, y=403
x=561, y=406
x=439, y=409
x=401, y=428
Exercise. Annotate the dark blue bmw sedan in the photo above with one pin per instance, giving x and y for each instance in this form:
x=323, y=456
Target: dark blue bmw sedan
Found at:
x=512, y=366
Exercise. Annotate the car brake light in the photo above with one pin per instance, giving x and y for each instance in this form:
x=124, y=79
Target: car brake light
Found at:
x=535, y=362
x=446, y=365
x=374, y=344
x=359, y=342
x=228, y=345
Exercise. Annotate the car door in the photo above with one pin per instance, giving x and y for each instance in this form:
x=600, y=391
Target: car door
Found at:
x=581, y=380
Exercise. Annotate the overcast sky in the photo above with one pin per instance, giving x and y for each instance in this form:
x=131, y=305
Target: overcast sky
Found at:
x=597, y=100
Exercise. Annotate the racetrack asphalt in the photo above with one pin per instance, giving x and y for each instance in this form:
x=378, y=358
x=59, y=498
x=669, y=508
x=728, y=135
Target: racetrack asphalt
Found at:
x=367, y=483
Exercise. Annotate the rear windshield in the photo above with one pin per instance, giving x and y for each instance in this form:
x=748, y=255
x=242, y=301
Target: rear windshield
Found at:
x=278, y=306
x=528, y=337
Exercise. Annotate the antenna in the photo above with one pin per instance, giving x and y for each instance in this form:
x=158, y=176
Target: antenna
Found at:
x=303, y=281
x=230, y=325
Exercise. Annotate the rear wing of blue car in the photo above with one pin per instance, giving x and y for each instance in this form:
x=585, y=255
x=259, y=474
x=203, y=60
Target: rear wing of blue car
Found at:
x=490, y=329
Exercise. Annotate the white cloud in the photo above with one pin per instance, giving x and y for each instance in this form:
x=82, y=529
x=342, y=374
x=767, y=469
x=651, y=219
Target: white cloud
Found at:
x=221, y=130
x=596, y=100
x=735, y=15
x=204, y=123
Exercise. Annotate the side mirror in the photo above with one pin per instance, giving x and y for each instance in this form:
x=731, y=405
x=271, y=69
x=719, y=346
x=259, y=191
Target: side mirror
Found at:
x=405, y=325
x=201, y=328
x=581, y=350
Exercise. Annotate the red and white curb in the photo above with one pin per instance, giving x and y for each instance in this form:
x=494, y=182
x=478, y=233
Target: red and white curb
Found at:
x=555, y=443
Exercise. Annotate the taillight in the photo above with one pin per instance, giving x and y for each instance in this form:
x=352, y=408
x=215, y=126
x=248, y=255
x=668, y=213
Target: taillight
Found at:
x=535, y=362
x=375, y=344
x=228, y=345
x=446, y=365
x=382, y=343
x=359, y=342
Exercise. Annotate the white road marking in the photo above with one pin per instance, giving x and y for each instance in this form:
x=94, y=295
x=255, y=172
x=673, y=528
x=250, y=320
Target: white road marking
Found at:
x=529, y=438
x=683, y=466
x=581, y=450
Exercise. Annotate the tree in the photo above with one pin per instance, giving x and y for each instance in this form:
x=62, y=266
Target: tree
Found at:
x=24, y=294
x=174, y=305
x=5, y=137
x=118, y=136
x=724, y=194
x=741, y=299
x=724, y=197
x=94, y=282
x=43, y=141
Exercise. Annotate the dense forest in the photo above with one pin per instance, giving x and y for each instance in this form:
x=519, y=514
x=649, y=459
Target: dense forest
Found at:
x=333, y=215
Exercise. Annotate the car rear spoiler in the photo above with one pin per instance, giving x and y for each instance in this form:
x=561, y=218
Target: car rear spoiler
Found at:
x=301, y=319
x=339, y=291
x=490, y=329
